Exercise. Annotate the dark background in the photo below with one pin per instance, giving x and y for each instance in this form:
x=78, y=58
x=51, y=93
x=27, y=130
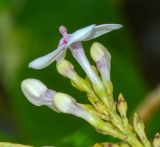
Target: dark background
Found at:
x=29, y=29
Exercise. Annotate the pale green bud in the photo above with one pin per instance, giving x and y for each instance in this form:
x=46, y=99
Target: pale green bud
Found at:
x=156, y=141
x=122, y=105
x=65, y=102
x=98, y=52
x=66, y=69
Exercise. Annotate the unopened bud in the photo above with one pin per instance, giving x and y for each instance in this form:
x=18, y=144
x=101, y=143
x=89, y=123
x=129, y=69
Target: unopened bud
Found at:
x=64, y=102
x=102, y=58
x=98, y=51
x=156, y=141
x=38, y=93
x=66, y=69
x=122, y=105
x=67, y=104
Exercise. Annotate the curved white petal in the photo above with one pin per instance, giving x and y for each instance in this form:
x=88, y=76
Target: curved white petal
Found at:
x=45, y=60
x=102, y=29
x=81, y=35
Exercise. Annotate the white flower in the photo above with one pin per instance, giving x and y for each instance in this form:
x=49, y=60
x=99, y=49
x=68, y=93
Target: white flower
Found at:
x=69, y=40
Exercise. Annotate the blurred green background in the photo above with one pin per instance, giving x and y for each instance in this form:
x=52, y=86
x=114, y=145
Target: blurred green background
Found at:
x=29, y=29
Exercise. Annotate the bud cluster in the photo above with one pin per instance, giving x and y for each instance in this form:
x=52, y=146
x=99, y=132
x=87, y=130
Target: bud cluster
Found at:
x=101, y=112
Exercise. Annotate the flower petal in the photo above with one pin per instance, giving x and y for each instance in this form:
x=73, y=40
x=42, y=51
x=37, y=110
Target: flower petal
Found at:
x=102, y=29
x=45, y=60
x=61, y=56
x=81, y=34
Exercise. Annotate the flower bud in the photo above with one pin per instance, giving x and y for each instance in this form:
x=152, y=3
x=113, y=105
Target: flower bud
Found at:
x=67, y=104
x=36, y=92
x=66, y=69
x=122, y=105
x=156, y=141
x=102, y=59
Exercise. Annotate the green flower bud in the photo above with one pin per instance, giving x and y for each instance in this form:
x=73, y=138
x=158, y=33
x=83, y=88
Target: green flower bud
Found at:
x=65, y=103
x=122, y=105
x=156, y=141
x=66, y=69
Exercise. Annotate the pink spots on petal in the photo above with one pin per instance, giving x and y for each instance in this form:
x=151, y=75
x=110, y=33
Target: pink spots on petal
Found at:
x=63, y=30
x=62, y=42
x=65, y=39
